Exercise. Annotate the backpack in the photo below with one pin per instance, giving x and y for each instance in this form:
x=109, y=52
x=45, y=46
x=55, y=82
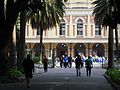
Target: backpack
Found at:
x=78, y=61
x=65, y=59
x=88, y=62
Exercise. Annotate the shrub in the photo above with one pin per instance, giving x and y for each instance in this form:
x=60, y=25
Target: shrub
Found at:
x=11, y=75
x=14, y=74
x=36, y=59
x=114, y=75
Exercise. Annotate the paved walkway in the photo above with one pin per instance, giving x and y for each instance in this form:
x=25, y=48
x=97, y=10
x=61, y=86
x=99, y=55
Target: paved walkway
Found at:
x=63, y=79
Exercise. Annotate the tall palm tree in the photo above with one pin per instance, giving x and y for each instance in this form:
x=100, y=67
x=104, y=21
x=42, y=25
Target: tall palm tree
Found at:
x=41, y=14
x=118, y=21
x=104, y=12
x=21, y=41
x=7, y=22
x=48, y=17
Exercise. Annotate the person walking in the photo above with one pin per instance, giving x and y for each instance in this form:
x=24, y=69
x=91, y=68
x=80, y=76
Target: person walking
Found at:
x=61, y=61
x=78, y=65
x=88, y=65
x=65, y=61
x=70, y=61
x=45, y=63
x=28, y=67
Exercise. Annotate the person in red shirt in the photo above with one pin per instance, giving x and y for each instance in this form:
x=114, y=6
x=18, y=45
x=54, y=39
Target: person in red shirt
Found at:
x=45, y=63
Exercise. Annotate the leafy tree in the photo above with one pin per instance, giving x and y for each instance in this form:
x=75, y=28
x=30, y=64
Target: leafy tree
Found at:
x=118, y=21
x=9, y=11
x=48, y=17
x=105, y=14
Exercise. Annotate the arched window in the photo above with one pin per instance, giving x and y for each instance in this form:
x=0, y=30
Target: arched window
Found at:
x=98, y=49
x=79, y=27
x=38, y=31
x=62, y=27
x=79, y=49
x=97, y=29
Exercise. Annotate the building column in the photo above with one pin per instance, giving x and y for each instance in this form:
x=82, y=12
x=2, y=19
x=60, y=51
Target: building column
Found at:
x=88, y=27
x=88, y=49
x=69, y=48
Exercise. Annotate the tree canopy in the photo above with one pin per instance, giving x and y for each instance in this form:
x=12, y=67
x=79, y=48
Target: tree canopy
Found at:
x=9, y=11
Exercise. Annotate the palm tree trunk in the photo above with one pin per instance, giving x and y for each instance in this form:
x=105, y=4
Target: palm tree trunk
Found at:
x=116, y=39
x=110, y=48
x=41, y=38
x=21, y=45
x=6, y=60
x=3, y=62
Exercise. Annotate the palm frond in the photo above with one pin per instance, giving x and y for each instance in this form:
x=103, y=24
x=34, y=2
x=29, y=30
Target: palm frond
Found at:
x=49, y=15
x=103, y=11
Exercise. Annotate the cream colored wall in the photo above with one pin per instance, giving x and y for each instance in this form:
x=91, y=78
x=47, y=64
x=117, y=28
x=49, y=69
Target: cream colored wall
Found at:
x=71, y=27
x=54, y=32
x=79, y=3
x=88, y=27
x=50, y=36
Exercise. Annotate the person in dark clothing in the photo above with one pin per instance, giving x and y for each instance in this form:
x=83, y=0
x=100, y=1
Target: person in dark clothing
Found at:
x=65, y=61
x=28, y=67
x=70, y=61
x=88, y=65
x=45, y=63
x=61, y=61
x=78, y=64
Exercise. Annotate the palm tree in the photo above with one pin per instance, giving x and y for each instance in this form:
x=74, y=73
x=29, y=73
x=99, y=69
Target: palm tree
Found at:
x=7, y=22
x=118, y=21
x=48, y=17
x=21, y=41
x=104, y=12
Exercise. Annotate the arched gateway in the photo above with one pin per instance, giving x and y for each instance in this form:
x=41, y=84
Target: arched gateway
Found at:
x=61, y=49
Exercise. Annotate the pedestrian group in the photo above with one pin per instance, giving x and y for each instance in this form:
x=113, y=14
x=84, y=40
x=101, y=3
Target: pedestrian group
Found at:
x=66, y=61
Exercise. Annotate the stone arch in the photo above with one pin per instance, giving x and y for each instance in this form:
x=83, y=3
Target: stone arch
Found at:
x=64, y=19
x=36, y=49
x=26, y=47
x=98, y=49
x=79, y=18
x=61, y=49
x=80, y=49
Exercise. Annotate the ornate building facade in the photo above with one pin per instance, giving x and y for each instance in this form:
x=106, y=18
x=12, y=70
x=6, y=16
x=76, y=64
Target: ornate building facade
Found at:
x=76, y=34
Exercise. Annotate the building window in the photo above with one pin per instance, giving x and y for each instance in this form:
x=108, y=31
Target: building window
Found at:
x=79, y=27
x=38, y=31
x=97, y=29
x=62, y=27
x=27, y=28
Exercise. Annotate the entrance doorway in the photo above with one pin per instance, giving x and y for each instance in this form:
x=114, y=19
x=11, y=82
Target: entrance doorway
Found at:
x=61, y=49
x=36, y=49
x=98, y=49
x=79, y=49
